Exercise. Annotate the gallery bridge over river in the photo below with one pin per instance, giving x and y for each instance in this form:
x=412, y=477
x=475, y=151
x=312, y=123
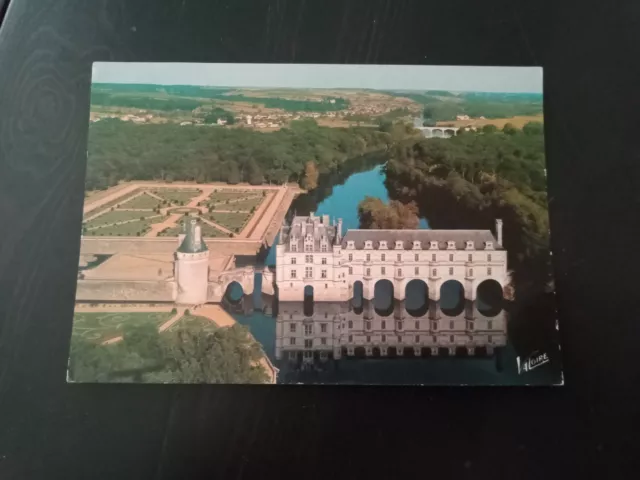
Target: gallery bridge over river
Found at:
x=313, y=255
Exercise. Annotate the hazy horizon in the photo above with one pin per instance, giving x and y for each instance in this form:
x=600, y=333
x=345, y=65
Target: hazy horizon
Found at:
x=397, y=78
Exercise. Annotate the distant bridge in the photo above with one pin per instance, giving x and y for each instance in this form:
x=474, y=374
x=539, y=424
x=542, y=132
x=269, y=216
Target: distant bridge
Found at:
x=438, y=132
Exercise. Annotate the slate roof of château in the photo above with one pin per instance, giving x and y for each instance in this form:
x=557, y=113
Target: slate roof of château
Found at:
x=479, y=237
x=189, y=244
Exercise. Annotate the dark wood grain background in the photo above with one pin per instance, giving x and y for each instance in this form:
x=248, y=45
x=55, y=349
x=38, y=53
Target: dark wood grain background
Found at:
x=49, y=429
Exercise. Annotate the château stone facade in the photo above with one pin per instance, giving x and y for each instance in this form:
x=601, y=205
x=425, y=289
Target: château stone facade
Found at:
x=313, y=253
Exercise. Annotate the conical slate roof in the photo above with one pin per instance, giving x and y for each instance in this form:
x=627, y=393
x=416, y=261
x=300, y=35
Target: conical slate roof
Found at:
x=193, y=242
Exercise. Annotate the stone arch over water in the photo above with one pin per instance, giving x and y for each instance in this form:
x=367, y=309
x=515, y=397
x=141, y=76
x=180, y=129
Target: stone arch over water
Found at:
x=452, y=298
x=308, y=302
x=234, y=293
x=383, y=297
x=416, y=298
x=489, y=297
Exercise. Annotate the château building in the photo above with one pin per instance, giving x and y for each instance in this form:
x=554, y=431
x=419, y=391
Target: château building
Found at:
x=312, y=252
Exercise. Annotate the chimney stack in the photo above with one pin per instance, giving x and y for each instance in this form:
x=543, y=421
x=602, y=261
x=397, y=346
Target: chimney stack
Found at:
x=499, y=231
x=339, y=229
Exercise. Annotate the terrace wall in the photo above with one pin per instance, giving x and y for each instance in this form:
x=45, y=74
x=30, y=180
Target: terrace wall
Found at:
x=135, y=245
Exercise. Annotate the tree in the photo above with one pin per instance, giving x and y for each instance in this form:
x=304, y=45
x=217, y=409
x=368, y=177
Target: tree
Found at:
x=310, y=179
x=509, y=129
x=489, y=129
x=533, y=128
x=374, y=213
x=233, y=174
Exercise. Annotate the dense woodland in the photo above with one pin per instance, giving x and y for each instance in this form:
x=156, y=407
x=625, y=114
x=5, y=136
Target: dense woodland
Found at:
x=227, y=355
x=125, y=151
x=470, y=180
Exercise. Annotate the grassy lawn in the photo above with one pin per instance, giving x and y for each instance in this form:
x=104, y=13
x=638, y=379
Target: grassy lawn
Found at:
x=209, y=231
x=179, y=196
x=232, y=221
x=141, y=201
x=118, y=216
x=129, y=229
x=223, y=196
x=112, y=203
x=194, y=322
x=170, y=232
x=101, y=326
x=245, y=205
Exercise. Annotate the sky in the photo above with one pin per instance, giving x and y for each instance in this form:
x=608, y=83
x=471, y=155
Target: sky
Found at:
x=381, y=77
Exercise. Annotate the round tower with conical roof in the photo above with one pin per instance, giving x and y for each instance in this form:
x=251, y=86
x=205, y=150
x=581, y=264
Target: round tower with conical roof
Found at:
x=192, y=266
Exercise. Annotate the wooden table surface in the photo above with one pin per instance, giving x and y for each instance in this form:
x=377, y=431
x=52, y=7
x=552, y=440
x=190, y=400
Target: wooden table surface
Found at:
x=49, y=429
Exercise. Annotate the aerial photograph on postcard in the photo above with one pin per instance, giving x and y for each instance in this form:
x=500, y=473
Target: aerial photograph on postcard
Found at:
x=315, y=224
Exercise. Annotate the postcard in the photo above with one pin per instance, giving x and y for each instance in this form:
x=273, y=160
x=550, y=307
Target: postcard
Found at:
x=315, y=224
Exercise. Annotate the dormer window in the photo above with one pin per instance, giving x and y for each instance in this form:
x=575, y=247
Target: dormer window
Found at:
x=488, y=245
x=469, y=245
x=451, y=245
x=350, y=244
x=433, y=245
x=383, y=244
x=399, y=245
x=416, y=245
x=368, y=244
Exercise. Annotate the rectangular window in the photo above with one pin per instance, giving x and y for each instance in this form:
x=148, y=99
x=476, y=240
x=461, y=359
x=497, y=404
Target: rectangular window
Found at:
x=308, y=258
x=399, y=272
x=451, y=325
x=435, y=272
x=308, y=272
x=293, y=274
x=291, y=316
x=350, y=338
x=294, y=247
x=383, y=257
x=417, y=257
x=308, y=248
x=323, y=327
x=399, y=257
x=471, y=272
x=489, y=324
x=450, y=270
x=433, y=257
x=293, y=261
x=451, y=257
x=417, y=324
x=489, y=339
x=384, y=338
x=434, y=326
x=384, y=324
x=292, y=327
x=451, y=339
x=323, y=341
x=368, y=257
x=350, y=323
x=417, y=270
x=351, y=257
x=417, y=338
x=382, y=271
x=470, y=257
x=470, y=326
x=368, y=325
x=350, y=270
x=368, y=272
x=368, y=339
x=399, y=339
x=400, y=325
x=488, y=270
x=308, y=343
x=292, y=341
x=323, y=248
x=323, y=274
x=308, y=329
x=326, y=315
x=489, y=257
x=324, y=261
